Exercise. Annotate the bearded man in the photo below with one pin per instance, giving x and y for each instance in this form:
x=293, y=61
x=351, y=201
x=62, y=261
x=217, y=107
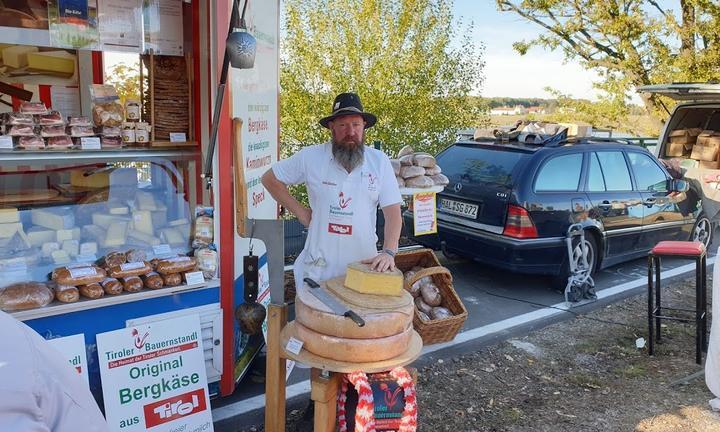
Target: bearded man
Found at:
x=346, y=182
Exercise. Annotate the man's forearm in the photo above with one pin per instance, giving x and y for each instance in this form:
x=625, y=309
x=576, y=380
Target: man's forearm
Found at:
x=393, y=227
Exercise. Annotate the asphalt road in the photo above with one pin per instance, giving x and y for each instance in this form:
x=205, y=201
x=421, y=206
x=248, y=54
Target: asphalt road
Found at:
x=500, y=305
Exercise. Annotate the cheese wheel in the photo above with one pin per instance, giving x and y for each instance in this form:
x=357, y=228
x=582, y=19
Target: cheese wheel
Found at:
x=313, y=314
x=354, y=350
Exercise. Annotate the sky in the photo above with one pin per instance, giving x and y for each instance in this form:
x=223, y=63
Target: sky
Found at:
x=511, y=75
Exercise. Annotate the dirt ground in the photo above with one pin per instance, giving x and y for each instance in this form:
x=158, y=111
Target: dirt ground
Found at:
x=584, y=374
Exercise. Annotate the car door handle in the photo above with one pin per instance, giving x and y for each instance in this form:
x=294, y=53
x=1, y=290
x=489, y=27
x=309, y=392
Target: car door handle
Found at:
x=649, y=202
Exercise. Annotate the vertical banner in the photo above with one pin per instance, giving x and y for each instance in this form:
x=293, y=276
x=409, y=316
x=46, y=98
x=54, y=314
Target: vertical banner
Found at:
x=73, y=349
x=153, y=377
x=424, y=213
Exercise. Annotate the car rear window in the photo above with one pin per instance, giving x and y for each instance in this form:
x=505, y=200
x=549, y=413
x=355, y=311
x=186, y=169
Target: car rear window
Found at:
x=477, y=164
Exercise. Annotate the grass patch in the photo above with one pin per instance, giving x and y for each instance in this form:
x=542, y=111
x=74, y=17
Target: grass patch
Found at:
x=585, y=380
x=631, y=371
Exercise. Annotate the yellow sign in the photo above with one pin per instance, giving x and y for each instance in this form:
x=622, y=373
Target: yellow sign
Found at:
x=424, y=213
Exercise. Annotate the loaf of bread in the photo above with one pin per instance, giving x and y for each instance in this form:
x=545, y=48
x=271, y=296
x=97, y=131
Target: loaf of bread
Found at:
x=65, y=293
x=25, y=295
x=111, y=286
x=407, y=150
x=91, y=291
x=400, y=182
x=396, y=166
x=440, y=179
x=433, y=171
x=176, y=265
x=77, y=276
x=407, y=172
x=172, y=279
x=153, y=280
x=406, y=160
x=419, y=182
x=113, y=259
x=130, y=269
x=135, y=255
x=132, y=284
x=424, y=160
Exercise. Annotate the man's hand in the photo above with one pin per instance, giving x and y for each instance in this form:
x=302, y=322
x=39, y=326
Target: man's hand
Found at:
x=381, y=262
x=305, y=216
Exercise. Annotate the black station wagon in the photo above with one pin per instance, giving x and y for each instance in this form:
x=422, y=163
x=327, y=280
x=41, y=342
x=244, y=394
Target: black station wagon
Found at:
x=510, y=205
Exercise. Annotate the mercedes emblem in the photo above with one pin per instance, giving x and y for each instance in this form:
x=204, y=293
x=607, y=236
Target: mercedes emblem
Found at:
x=457, y=187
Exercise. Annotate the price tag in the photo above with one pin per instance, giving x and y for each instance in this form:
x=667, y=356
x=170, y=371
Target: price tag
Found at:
x=178, y=137
x=194, y=278
x=294, y=346
x=6, y=142
x=90, y=143
x=162, y=250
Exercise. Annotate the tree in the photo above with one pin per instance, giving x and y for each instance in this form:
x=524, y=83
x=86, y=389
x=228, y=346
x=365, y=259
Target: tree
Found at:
x=629, y=42
x=126, y=80
x=398, y=55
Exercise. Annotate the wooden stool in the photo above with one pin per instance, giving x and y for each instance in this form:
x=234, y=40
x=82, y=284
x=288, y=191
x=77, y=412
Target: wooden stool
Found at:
x=680, y=249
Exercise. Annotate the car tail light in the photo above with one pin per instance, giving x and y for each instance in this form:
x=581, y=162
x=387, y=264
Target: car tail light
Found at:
x=519, y=224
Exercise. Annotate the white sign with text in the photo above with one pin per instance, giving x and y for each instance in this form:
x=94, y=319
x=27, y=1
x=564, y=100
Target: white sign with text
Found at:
x=73, y=349
x=153, y=377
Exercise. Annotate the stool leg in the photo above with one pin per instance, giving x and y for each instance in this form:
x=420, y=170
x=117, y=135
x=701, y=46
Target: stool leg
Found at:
x=658, y=308
x=698, y=311
x=651, y=331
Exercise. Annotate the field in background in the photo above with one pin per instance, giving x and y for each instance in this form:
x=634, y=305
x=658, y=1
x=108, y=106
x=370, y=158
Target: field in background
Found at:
x=643, y=123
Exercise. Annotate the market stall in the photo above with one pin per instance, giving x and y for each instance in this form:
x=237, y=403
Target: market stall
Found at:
x=105, y=220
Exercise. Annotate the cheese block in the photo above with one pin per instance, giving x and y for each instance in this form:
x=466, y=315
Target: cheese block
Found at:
x=59, y=61
x=116, y=209
x=143, y=238
x=60, y=257
x=16, y=56
x=104, y=220
x=96, y=180
x=353, y=350
x=178, y=222
x=315, y=315
x=116, y=234
x=142, y=222
x=360, y=278
x=55, y=219
x=9, y=215
x=67, y=234
x=145, y=201
x=8, y=230
x=38, y=235
x=50, y=247
x=173, y=236
x=93, y=232
x=88, y=248
x=72, y=247
x=2, y=47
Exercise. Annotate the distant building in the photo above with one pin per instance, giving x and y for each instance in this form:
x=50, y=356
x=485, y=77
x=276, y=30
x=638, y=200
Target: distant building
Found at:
x=536, y=110
x=504, y=110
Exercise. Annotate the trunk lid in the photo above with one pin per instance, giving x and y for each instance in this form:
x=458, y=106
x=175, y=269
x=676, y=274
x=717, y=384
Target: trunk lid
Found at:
x=700, y=92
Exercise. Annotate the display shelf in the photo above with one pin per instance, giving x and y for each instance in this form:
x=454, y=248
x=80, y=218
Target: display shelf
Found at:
x=109, y=155
x=86, y=304
x=411, y=191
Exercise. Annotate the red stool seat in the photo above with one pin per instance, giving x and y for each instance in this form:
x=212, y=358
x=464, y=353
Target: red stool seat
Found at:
x=687, y=248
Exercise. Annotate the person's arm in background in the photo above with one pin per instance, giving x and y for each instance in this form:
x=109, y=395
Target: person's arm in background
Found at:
x=281, y=194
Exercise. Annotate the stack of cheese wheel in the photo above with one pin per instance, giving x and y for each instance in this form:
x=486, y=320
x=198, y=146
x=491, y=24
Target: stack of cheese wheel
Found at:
x=388, y=318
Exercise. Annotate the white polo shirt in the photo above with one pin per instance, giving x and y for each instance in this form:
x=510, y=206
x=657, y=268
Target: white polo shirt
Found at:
x=344, y=207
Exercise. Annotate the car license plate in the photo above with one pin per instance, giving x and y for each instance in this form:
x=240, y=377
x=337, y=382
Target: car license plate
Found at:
x=458, y=208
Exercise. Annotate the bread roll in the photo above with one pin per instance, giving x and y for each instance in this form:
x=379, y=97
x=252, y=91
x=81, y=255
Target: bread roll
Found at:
x=66, y=293
x=172, y=279
x=407, y=150
x=440, y=179
x=91, y=291
x=419, y=182
x=396, y=166
x=424, y=160
x=153, y=280
x=431, y=294
x=422, y=306
x=25, y=295
x=423, y=316
x=113, y=259
x=176, y=265
x=111, y=286
x=77, y=276
x=440, y=313
x=433, y=171
x=130, y=269
x=132, y=284
x=407, y=172
x=400, y=181
x=406, y=160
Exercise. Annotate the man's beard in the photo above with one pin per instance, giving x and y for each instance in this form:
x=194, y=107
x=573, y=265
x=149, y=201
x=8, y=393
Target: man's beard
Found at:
x=349, y=154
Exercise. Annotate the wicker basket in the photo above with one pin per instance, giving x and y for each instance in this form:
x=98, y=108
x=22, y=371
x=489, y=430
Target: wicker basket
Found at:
x=440, y=330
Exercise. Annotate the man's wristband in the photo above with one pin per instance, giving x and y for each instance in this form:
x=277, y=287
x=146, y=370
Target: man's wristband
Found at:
x=390, y=252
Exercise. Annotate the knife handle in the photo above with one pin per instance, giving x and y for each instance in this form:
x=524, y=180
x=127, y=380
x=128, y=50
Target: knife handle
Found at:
x=311, y=282
x=356, y=318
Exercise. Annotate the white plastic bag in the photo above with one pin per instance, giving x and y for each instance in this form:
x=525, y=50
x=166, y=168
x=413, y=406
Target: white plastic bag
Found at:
x=712, y=362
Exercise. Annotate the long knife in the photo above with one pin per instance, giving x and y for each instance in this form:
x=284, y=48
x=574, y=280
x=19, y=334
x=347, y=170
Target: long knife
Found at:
x=334, y=305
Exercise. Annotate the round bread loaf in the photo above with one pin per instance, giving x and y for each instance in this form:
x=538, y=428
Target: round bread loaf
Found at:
x=25, y=295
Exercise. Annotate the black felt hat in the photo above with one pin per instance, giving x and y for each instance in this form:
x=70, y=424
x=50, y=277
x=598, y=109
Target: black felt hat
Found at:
x=348, y=104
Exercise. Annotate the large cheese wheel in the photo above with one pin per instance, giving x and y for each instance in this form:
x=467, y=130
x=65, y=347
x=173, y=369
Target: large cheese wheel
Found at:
x=313, y=314
x=353, y=350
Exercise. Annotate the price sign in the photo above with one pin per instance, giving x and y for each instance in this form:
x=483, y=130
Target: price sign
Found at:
x=424, y=213
x=162, y=250
x=90, y=143
x=194, y=278
x=178, y=137
x=6, y=142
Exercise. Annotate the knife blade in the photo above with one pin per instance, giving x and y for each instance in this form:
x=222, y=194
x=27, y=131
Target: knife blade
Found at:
x=328, y=300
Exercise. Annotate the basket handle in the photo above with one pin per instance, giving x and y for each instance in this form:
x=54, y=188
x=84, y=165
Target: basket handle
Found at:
x=429, y=272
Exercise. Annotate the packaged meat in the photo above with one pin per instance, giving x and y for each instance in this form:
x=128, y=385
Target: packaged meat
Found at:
x=108, y=114
x=176, y=265
x=52, y=131
x=30, y=142
x=153, y=280
x=51, y=119
x=132, y=284
x=111, y=142
x=25, y=295
x=129, y=269
x=111, y=286
x=16, y=118
x=172, y=279
x=60, y=142
x=65, y=293
x=35, y=108
x=110, y=131
x=79, y=121
x=91, y=291
x=76, y=276
x=20, y=130
x=81, y=131
x=207, y=260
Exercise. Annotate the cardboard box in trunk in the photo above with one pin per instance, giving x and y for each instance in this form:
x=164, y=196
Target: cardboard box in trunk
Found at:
x=675, y=149
x=684, y=136
x=706, y=136
x=708, y=164
x=705, y=151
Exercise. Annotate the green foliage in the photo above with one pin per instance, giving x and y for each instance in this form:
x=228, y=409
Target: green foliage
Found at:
x=630, y=43
x=126, y=79
x=396, y=54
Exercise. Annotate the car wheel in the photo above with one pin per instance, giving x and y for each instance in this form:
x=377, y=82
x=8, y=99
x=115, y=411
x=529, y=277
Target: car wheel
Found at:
x=590, y=245
x=702, y=230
